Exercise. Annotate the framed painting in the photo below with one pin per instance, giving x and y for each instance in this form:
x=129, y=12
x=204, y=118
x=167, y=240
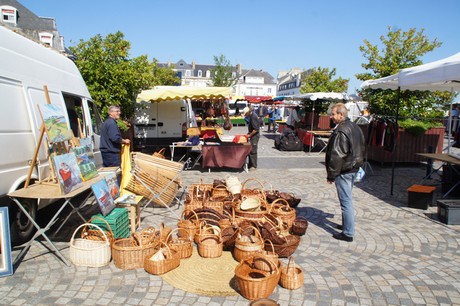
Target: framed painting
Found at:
x=112, y=182
x=67, y=172
x=103, y=197
x=86, y=162
x=6, y=264
x=56, y=125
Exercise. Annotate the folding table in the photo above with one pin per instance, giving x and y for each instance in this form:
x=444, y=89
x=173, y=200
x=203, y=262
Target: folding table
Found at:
x=48, y=191
x=190, y=149
x=447, y=160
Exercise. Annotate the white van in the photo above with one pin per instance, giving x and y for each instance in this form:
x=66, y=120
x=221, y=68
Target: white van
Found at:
x=160, y=123
x=26, y=67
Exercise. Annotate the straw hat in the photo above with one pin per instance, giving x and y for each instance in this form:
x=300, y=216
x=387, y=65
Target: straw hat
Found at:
x=246, y=110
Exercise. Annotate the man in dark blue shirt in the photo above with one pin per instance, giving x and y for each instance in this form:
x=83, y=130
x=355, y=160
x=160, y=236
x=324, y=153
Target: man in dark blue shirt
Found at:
x=111, y=140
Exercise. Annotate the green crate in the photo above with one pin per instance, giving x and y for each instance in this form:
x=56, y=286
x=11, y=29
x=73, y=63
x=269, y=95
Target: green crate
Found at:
x=118, y=220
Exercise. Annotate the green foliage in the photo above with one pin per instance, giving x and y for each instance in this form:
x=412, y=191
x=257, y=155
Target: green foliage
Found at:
x=400, y=50
x=320, y=80
x=221, y=75
x=111, y=76
x=122, y=125
x=417, y=127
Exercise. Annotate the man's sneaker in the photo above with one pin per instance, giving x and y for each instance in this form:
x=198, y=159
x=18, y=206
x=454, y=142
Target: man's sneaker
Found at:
x=252, y=169
x=342, y=236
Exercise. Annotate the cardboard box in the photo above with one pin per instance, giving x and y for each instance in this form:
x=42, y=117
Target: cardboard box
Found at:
x=420, y=196
x=449, y=211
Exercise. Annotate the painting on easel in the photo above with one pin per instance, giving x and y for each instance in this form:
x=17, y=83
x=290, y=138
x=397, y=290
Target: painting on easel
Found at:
x=112, y=182
x=55, y=123
x=68, y=172
x=103, y=197
x=86, y=162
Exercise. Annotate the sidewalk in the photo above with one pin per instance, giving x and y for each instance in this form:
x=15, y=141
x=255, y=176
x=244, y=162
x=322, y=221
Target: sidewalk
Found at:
x=400, y=256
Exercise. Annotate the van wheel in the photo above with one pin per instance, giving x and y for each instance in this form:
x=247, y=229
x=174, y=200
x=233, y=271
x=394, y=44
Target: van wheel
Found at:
x=21, y=228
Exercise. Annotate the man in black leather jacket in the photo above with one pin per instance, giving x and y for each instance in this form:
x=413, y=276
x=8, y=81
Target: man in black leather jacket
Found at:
x=344, y=156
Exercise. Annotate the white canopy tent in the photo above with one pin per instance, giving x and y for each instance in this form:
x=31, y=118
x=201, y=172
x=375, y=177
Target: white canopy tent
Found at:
x=441, y=75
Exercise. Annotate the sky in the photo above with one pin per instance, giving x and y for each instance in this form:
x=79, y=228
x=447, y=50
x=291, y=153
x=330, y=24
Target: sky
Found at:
x=258, y=34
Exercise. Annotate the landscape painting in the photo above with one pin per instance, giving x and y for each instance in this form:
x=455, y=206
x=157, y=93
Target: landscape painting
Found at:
x=55, y=123
x=86, y=162
x=68, y=172
x=112, y=182
x=103, y=197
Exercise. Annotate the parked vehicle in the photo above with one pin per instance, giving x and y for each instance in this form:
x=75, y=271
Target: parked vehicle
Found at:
x=232, y=108
x=26, y=68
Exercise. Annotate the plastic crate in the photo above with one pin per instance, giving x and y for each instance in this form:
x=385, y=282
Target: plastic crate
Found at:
x=449, y=211
x=118, y=220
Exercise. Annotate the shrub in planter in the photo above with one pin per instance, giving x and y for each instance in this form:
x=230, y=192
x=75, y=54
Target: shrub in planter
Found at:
x=416, y=127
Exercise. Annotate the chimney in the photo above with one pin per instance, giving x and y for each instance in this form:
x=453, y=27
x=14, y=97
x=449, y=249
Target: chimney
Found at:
x=239, y=69
x=193, y=65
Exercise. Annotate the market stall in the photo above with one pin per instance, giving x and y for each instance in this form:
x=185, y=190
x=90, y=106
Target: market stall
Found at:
x=229, y=155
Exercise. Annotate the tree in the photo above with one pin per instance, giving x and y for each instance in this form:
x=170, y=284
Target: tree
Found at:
x=321, y=80
x=400, y=50
x=221, y=75
x=114, y=78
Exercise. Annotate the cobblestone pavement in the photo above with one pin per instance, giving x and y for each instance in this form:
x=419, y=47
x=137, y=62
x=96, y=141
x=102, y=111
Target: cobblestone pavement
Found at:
x=400, y=256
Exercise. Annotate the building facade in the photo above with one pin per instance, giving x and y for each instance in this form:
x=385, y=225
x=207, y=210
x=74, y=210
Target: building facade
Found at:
x=290, y=82
x=250, y=82
x=40, y=29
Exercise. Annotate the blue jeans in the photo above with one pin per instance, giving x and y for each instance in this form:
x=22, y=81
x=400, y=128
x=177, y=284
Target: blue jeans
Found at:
x=344, y=186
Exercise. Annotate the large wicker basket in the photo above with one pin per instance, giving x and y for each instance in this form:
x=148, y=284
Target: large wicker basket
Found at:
x=280, y=209
x=210, y=245
x=187, y=228
x=91, y=233
x=157, y=267
x=287, y=248
x=246, y=244
x=89, y=253
x=129, y=253
x=183, y=246
x=254, y=283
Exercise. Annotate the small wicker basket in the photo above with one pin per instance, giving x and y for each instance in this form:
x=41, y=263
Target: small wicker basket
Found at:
x=157, y=267
x=280, y=209
x=129, y=253
x=91, y=233
x=210, y=245
x=187, y=228
x=183, y=246
x=299, y=226
x=247, y=245
x=292, y=276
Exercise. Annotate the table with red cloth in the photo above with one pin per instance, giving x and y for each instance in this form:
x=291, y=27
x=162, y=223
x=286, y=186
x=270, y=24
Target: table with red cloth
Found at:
x=230, y=155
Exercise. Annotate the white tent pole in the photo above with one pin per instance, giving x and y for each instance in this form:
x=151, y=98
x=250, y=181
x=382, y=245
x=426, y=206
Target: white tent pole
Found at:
x=450, y=124
x=394, y=147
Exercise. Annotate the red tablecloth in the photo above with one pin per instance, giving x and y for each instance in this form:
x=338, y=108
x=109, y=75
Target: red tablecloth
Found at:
x=226, y=155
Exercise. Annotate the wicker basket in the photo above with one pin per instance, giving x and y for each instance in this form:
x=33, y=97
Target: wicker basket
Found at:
x=157, y=267
x=253, y=192
x=257, y=215
x=292, y=276
x=220, y=192
x=210, y=245
x=129, y=253
x=266, y=255
x=187, y=228
x=287, y=248
x=160, y=154
x=216, y=204
x=280, y=209
x=299, y=226
x=87, y=252
x=254, y=283
x=89, y=232
x=183, y=246
x=247, y=245
x=290, y=198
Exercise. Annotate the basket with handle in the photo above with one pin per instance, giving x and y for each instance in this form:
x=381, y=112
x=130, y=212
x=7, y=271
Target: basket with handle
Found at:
x=254, y=215
x=247, y=244
x=220, y=192
x=160, y=154
x=280, y=209
x=290, y=197
x=271, y=195
x=87, y=252
x=287, y=248
x=170, y=260
x=183, y=246
x=129, y=253
x=187, y=228
x=91, y=233
x=269, y=255
x=299, y=226
x=292, y=276
x=254, y=283
x=210, y=245
x=254, y=191
x=203, y=228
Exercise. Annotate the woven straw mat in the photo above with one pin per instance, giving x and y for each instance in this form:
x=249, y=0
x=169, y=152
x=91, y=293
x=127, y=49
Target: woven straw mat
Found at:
x=205, y=276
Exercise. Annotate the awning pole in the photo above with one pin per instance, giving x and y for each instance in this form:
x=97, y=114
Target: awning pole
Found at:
x=394, y=147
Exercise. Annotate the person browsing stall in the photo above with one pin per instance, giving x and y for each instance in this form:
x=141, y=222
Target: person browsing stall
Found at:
x=293, y=118
x=111, y=139
x=253, y=135
x=344, y=156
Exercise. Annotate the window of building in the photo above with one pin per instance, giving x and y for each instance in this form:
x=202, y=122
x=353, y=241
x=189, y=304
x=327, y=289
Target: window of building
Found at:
x=200, y=73
x=208, y=73
x=269, y=90
x=9, y=14
x=187, y=73
x=46, y=38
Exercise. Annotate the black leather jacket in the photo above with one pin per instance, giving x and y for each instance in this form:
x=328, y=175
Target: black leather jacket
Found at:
x=345, y=150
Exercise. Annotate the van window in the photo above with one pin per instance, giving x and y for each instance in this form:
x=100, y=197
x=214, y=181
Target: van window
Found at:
x=74, y=111
x=95, y=117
